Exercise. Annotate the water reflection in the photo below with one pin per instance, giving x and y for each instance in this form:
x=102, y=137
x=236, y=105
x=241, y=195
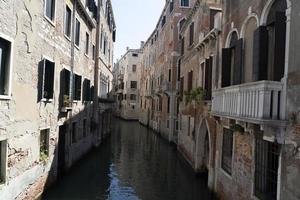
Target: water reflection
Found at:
x=133, y=164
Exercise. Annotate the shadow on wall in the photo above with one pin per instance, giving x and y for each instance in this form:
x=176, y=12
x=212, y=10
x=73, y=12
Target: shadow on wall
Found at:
x=73, y=138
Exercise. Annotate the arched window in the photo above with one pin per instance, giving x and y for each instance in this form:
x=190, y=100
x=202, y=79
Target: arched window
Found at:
x=250, y=27
x=269, y=45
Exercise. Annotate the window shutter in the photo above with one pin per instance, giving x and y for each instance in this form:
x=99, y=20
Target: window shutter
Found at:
x=279, y=51
x=260, y=54
x=41, y=71
x=226, y=67
x=78, y=88
x=92, y=93
x=208, y=78
x=238, y=62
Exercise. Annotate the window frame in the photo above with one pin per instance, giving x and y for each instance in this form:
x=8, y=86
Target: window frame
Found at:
x=51, y=21
x=10, y=66
x=70, y=25
x=44, y=59
x=77, y=22
x=183, y=6
x=191, y=34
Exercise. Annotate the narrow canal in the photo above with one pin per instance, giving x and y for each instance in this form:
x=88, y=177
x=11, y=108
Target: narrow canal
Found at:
x=134, y=163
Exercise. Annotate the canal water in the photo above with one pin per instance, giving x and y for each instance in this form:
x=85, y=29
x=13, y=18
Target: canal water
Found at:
x=134, y=163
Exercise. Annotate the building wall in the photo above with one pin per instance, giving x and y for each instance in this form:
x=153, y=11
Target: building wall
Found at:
x=23, y=115
x=127, y=107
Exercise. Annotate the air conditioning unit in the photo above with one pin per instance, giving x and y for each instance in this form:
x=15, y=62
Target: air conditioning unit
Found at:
x=218, y=21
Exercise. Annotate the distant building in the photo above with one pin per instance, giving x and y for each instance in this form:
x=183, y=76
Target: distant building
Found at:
x=126, y=74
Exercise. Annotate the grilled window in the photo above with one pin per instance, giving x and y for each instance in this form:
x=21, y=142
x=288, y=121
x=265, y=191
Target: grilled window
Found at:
x=133, y=97
x=266, y=169
x=68, y=19
x=77, y=33
x=44, y=144
x=46, y=79
x=133, y=84
x=5, y=65
x=133, y=68
x=50, y=9
x=77, y=87
x=227, y=150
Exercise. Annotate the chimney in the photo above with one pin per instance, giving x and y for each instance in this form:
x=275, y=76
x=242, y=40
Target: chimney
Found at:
x=142, y=44
x=127, y=48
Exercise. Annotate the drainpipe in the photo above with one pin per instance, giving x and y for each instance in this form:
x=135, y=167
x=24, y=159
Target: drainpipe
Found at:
x=96, y=73
x=72, y=55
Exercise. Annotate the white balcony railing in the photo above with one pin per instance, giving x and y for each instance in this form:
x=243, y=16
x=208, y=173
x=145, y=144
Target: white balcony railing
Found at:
x=258, y=101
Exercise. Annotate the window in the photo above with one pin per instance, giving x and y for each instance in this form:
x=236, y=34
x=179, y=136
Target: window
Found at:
x=181, y=23
x=3, y=150
x=44, y=144
x=163, y=21
x=46, y=79
x=87, y=43
x=212, y=18
x=5, y=66
x=65, y=76
x=74, y=134
x=68, y=21
x=169, y=104
x=160, y=104
x=208, y=78
x=135, y=55
x=94, y=52
x=133, y=84
x=181, y=87
x=227, y=150
x=170, y=75
x=171, y=6
x=86, y=90
x=133, y=68
x=184, y=3
x=77, y=87
x=133, y=97
x=84, y=128
x=191, y=33
x=190, y=81
x=182, y=45
x=50, y=9
x=232, y=65
x=266, y=169
x=77, y=33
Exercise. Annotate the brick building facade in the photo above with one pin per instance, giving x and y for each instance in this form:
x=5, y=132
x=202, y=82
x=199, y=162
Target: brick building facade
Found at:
x=47, y=62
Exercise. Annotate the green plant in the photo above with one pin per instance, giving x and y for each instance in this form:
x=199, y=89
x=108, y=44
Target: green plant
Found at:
x=43, y=155
x=67, y=101
x=196, y=94
x=237, y=128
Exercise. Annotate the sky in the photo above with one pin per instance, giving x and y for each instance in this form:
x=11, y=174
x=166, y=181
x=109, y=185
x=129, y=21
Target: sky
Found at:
x=135, y=21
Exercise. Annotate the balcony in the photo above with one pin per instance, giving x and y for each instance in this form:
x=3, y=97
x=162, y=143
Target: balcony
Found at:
x=257, y=102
